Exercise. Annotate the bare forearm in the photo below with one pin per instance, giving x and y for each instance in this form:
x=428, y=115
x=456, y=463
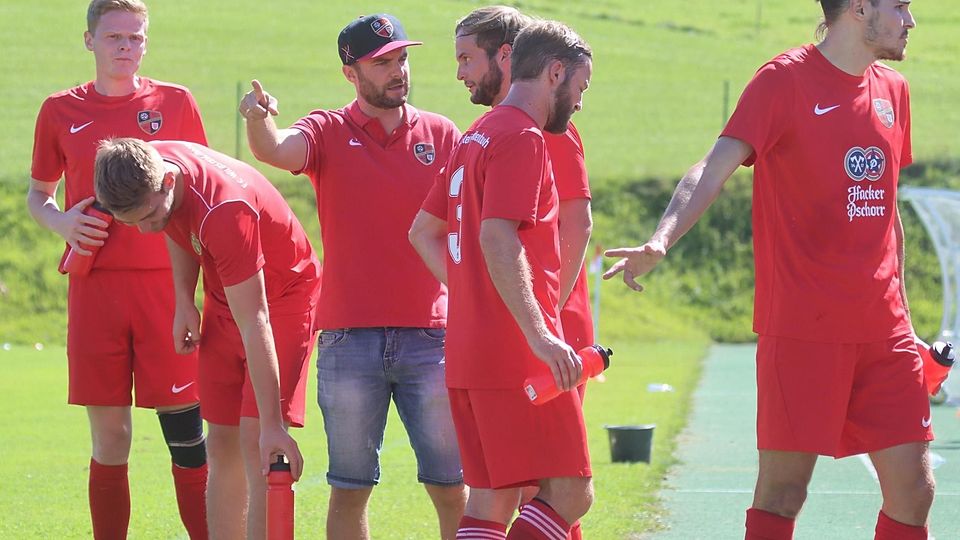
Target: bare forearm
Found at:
x=44, y=209
x=901, y=261
x=186, y=272
x=257, y=336
x=510, y=272
x=428, y=237
x=264, y=139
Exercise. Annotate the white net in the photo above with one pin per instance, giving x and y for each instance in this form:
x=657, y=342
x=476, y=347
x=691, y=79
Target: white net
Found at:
x=939, y=210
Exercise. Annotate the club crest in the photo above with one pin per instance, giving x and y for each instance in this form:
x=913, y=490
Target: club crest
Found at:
x=884, y=110
x=150, y=121
x=195, y=242
x=424, y=153
x=382, y=27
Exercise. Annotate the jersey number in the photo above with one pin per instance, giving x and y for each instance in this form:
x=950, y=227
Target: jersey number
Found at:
x=453, y=239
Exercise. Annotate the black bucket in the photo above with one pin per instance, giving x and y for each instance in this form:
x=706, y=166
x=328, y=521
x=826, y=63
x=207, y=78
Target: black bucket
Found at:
x=629, y=444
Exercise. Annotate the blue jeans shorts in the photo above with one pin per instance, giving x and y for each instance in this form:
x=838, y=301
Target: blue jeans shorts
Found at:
x=359, y=370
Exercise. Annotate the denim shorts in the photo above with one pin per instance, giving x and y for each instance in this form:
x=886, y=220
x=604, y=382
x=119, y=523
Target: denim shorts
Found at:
x=359, y=370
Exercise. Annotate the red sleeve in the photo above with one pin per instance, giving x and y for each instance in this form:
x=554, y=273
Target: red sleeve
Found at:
x=436, y=201
x=192, y=124
x=231, y=235
x=569, y=167
x=762, y=115
x=906, y=152
x=48, y=159
x=513, y=177
x=312, y=127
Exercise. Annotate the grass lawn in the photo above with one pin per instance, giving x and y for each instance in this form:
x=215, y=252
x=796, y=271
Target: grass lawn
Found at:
x=44, y=469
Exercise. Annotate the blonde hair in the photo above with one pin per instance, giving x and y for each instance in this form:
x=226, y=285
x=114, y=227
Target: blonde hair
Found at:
x=98, y=7
x=126, y=172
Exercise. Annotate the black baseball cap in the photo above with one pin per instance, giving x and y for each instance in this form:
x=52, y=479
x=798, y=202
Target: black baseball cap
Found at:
x=371, y=36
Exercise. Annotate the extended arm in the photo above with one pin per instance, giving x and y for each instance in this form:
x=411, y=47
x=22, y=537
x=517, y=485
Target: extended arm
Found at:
x=248, y=305
x=186, y=318
x=576, y=224
x=510, y=273
x=693, y=195
x=428, y=235
x=283, y=148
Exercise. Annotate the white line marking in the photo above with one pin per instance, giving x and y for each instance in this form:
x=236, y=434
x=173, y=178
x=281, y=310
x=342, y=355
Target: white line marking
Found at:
x=865, y=459
x=811, y=492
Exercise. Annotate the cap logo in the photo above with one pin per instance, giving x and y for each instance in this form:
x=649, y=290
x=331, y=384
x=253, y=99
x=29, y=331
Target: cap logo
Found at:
x=346, y=54
x=382, y=27
x=424, y=153
x=150, y=121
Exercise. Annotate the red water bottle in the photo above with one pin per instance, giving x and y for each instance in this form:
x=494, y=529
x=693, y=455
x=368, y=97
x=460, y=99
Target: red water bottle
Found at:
x=280, y=501
x=937, y=361
x=542, y=388
x=75, y=263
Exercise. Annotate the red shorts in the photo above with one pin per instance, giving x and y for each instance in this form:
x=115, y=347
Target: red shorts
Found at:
x=226, y=392
x=506, y=441
x=840, y=399
x=120, y=340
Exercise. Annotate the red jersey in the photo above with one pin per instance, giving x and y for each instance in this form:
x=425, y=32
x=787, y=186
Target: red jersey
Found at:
x=72, y=123
x=828, y=149
x=501, y=170
x=236, y=223
x=570, y=175
x=369, y=187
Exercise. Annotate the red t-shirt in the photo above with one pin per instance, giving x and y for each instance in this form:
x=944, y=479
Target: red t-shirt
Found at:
x=369, y=187
x=500, y=169
x=72, y=123
x=570, y=175
x=828, y=149
x=236, y=223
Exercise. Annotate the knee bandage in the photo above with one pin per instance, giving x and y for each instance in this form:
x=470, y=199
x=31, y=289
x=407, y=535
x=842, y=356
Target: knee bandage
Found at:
x=183, y=432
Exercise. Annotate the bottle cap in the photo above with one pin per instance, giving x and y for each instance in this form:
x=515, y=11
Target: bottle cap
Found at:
x=943, y=353
x=280, y=465
x=605, y=354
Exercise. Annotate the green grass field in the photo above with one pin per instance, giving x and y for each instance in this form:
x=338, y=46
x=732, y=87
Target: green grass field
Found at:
x=655, y=105
x=44, y=470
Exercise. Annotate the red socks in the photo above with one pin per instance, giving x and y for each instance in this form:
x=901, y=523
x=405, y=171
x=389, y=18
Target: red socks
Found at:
x=763, y=525
x=191, y=486
x=477, y=529
x=109, y=494
x=538, y=521
x=889, y=529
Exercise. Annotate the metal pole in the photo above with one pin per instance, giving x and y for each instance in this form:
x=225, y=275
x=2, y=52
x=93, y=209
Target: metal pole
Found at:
x=726, y=103
x=596, y=266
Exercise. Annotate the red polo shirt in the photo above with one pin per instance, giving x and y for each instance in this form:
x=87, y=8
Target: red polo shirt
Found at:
x=369, y=187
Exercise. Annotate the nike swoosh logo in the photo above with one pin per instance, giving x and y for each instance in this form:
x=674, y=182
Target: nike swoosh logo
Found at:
x=820, y=112
x=75, y=128
x=177, y=389
x=355, y=142
x=925, y=422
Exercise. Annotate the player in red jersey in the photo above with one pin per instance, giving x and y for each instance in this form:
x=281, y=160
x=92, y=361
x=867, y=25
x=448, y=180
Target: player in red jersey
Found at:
x=261, y=279
x=489, y=229
x=383, y=313
x=827, y=127
x=119, y=313
x=484, y=40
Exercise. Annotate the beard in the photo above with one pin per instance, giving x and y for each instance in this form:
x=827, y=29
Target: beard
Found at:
x=377, y=96
x=562, y=110
x=880, y=42
x=488, y=86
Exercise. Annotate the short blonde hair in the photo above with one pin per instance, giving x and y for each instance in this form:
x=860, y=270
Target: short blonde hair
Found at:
x=125, y=173
x=98, y=7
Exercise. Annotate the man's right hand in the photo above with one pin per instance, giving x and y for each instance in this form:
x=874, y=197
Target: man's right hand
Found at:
x=560, y=358
x=635, y=262
x=186, y=329
x=78, y=228
x=275, y=441
x=257, y=104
